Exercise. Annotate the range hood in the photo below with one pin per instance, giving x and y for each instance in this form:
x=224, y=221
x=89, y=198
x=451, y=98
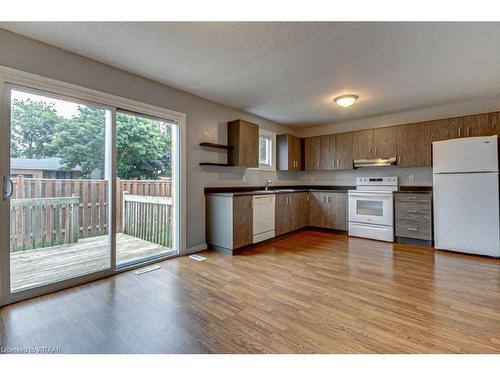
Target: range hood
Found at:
x=380, y=162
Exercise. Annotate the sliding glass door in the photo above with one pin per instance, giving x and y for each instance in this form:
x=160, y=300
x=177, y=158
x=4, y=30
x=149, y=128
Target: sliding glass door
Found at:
x=88, y=189
x=58, y=188
x=145, y=186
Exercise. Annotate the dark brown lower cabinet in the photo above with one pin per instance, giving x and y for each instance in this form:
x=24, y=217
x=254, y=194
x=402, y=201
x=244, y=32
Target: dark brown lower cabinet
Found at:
x=318, y=209
x=281, y=217
x=338, y=211
x=300, y=203
x=328, y=210
x=242, y=220
x=291, y=212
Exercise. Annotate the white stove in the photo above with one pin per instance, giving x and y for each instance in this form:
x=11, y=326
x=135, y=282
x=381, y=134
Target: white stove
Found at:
x=371, y=208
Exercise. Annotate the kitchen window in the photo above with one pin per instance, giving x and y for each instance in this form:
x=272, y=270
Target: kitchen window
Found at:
x=267, y=154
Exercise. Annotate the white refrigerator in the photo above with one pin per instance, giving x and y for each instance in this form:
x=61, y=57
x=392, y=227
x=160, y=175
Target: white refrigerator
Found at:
x=466, y=195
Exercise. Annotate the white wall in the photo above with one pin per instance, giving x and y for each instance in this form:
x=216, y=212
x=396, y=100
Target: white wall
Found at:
x=206, y=120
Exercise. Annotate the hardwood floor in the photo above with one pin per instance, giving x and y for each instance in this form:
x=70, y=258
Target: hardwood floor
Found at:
x=310, y=292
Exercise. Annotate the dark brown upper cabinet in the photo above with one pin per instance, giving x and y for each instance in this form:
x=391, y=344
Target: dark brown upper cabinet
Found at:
x=243, y=136
x=362, y=144
x=312, y=153
x=495, y=123
x=344, y=151
x=328, y=157
x=384, y=142
x=375, y=143
x=328, y=152
x=289, y=152
x=479, y=125
x=414, y=143
x=444, y=129
x=483, y=124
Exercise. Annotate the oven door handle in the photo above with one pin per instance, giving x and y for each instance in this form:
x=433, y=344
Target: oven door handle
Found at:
x=364, y=195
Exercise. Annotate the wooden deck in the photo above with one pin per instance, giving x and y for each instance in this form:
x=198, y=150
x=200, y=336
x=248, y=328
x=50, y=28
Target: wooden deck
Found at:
x=43, y=266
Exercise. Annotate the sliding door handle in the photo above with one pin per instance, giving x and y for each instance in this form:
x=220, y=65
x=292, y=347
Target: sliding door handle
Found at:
x=8, y=188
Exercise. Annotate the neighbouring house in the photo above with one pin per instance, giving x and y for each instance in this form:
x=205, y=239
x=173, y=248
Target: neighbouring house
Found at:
x=42, y=168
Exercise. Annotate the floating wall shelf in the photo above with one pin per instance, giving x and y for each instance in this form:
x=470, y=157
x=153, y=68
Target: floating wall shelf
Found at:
x=218, y=164
x=216, y=145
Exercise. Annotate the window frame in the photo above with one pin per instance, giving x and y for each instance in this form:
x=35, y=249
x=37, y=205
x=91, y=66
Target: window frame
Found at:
x=272, y=137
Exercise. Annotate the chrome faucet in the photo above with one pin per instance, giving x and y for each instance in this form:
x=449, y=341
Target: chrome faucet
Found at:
x=266, y=184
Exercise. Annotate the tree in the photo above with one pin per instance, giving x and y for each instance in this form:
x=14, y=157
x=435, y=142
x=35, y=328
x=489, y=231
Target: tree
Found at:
x=143, y=147
x=79, y=141
x=33, y=128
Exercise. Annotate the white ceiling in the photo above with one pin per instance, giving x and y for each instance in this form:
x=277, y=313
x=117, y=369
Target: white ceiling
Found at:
x=290, y=72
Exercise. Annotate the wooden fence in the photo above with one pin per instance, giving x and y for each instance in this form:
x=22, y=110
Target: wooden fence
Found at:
x=38, y=222
x=93, y=207
x=148, y=218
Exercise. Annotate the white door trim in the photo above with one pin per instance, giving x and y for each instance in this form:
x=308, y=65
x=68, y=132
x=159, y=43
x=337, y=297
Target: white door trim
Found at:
x=17, y=77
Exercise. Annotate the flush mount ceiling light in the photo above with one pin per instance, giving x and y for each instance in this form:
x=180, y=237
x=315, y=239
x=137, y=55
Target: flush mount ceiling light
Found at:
x=346, y=100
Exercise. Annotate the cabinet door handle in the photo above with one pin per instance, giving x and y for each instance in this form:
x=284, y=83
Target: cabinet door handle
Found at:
x=413, y=229
x=459, y=132
x=468, y=130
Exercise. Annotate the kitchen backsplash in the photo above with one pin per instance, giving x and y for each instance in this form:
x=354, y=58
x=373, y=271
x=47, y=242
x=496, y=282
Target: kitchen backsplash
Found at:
x=407, y=176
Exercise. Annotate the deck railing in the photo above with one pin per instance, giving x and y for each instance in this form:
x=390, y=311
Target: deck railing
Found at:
x=41, y=222
x=93, y=197
x=40, y=214
x=148, y=218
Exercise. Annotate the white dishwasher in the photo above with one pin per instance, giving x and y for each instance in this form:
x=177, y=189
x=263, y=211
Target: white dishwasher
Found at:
x=263, y=217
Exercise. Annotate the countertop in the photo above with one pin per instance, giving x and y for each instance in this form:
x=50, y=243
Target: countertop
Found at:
x=258, y=190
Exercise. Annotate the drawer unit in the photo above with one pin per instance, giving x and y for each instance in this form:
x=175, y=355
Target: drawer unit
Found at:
x=414, y=197
x=416, y=229
x=413, y=210
x=413, y=216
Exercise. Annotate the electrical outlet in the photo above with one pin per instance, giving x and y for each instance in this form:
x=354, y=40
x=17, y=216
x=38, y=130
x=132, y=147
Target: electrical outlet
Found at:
x=410, y=178
x=312, y=178
x=244, y=178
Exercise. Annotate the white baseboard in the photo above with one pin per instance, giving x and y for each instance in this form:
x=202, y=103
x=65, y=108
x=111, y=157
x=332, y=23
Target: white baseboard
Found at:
x=196, y=248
